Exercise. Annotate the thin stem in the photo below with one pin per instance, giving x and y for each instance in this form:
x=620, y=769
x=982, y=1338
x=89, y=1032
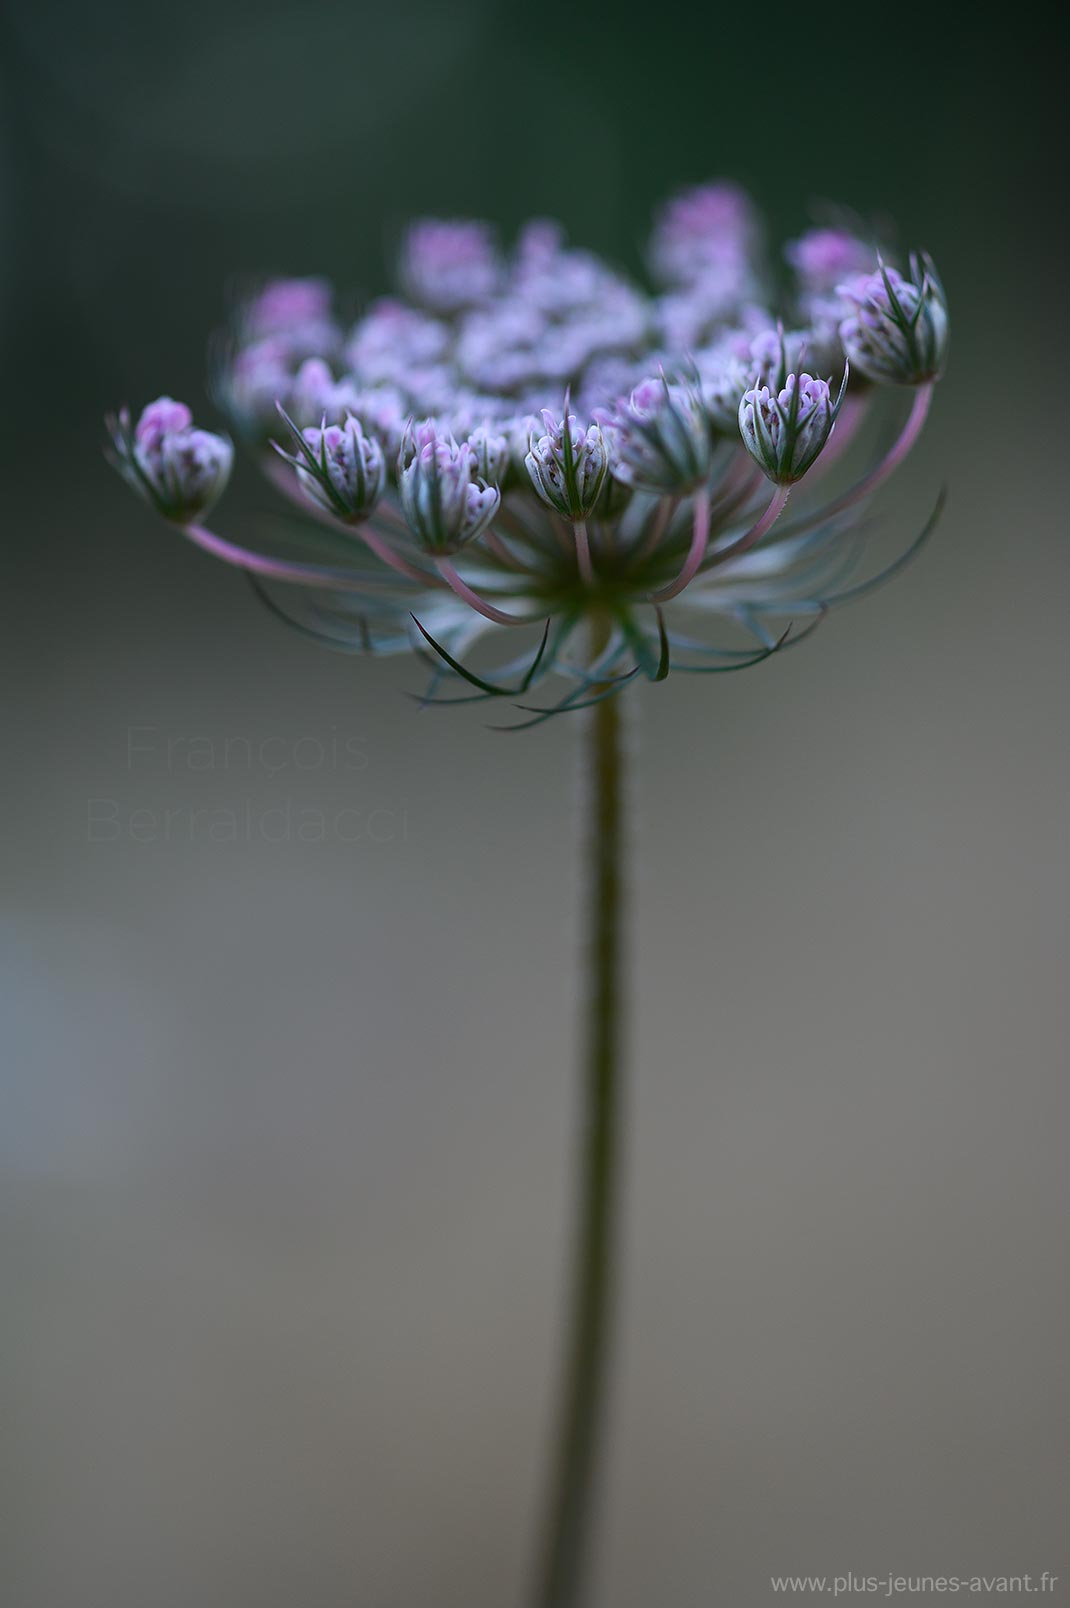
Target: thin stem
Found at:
x=328, y=576
x=761, y=526
x=881, y=472
x=700, y=535
x=383, y=550
x=853, y=413
x=572, y=1493
x=473, y=599
x=284, y=482
x=739, y=488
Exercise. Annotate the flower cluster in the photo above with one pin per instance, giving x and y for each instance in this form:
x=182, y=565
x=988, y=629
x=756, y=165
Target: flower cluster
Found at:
x=897, y=331
x=181, y=471
x=785, y=430
x=585, y=449
x=339, y=468
x=444, y=501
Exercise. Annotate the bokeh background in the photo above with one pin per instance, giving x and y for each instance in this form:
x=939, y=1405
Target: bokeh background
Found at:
x=288, y=1126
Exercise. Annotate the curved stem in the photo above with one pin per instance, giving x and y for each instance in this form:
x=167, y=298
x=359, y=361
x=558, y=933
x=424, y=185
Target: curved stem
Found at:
x=560, y=1579
x=765, y=523
x=328, y=576
x=738, y=489
x=700, y=535
x=473, y=599
x=852, y=414
x=285, y=483
x=383, y=550
x=881, y=472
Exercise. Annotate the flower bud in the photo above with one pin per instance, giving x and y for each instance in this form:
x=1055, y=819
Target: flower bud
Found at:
x=822, y=257
x=662, y=438
x=287, y=304
x=181, y=471
x=785, y=430
x=294, y=315
x=723, y=378
x=250, y=384
x=341, y=470
x=490, y=452
x=444, y=504
x=737, y=361
x=383, y=414
x=711, y=228
x=391, y=340
x=450, y=264
x=899, y=331
x=568, y=465
x=316, y=395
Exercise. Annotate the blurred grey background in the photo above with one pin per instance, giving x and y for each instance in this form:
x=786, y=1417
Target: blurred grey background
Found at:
x=285, y=1156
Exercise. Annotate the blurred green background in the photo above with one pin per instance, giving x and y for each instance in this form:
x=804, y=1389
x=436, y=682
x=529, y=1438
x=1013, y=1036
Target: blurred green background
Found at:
x=287, y=1126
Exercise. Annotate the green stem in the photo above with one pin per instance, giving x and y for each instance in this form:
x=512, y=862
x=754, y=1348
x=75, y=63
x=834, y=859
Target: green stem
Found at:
x=572, y=1493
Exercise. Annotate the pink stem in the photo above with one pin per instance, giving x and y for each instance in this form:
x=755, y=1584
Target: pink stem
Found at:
x=383, y=550
x=745, y=542
x=700, y=535
x=281, y=569
x=285, y=483
x=473, y=599
x=878, y=475
x=730, y=499
x=855, y=409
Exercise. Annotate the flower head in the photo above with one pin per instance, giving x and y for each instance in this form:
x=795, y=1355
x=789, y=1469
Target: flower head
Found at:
x=316, y=395
x=447, y=265
x=662, y=438
x=443, y=501
x=785, y=429
x=339, y=468
x=898, y=332
x=568, y=464
x=475, y=503
x=292, y=317
x=823, y=257
x=286, y=305
x=711, y=229
x=181, y=471
x=490, y=453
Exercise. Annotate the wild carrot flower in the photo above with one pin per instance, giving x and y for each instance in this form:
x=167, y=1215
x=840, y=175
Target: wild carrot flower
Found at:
x=339, y=468
x=663, y=438
x=568, y=464
x=823, y=257
x=898, y=330
x=447, y=266
x=785, y=429
x=444, y=502
x=528, y=437
x=181, y=471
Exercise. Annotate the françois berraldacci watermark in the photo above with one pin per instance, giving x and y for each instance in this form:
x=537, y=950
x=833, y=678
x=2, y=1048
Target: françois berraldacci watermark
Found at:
x=899, y=1585
x=196, y=775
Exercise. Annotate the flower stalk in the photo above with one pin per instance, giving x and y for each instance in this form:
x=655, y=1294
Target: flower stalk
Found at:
x=574, y=1488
